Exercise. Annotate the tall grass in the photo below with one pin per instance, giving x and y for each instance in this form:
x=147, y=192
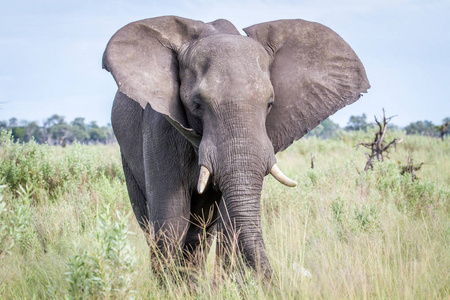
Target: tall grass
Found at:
x=67, y=229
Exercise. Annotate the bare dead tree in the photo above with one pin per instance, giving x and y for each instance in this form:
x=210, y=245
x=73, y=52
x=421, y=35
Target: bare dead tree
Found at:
x=379, y=150
x=411, y=169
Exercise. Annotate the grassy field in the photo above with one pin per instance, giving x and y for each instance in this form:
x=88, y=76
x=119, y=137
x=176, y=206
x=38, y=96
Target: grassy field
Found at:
x=67, y=230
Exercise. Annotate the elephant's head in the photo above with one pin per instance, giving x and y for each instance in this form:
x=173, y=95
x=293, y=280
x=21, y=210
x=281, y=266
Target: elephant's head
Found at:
x=238, y=99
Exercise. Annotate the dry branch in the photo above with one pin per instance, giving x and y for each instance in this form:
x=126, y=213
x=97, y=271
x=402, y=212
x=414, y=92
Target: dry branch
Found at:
x=411, y=169
x=313, y=159
x=378, y=149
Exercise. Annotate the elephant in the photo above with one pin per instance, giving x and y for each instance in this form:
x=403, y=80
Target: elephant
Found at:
x=200, y=113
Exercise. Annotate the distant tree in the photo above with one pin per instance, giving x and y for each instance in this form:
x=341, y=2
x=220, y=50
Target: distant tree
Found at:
x=79, y=122
x=110, y=134
x=326, y=129
x=13, y=123
x=97, y=134
x=3, y=125
x=59, y=133
x=22, y=131
x=56, y=131
x=93, y=124
x=444, y=129
x=54, y=120
x=422, y=128
x=18, y=133
x=78, y=131
x=51, y=134
x=357, y=123
x=33, y=131
x=394, y=127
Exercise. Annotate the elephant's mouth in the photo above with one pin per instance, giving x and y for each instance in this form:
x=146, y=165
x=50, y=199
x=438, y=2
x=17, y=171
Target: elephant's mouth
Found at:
x=274, y=171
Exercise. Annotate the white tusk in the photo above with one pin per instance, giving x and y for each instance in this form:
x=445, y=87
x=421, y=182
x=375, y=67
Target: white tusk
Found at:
x=278, y=175
x=202, y=179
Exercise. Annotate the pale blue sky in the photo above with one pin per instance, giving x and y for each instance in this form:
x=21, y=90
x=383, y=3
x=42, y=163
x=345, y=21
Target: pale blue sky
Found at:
x=51, y=50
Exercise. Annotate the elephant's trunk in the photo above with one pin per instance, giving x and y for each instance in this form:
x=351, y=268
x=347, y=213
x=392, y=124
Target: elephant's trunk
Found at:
x=240, y=220
x=239, y=171
x=238, y=154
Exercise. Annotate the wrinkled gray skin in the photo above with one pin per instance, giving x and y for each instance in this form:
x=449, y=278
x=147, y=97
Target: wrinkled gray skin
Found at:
x=197, y=94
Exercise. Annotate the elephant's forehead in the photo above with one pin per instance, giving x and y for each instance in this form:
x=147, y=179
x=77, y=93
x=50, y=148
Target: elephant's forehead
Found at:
x=223, y=67
x=225, y=50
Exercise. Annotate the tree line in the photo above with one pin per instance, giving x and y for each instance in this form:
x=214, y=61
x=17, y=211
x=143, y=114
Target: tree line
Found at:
x=329, y=129
x=56, y=131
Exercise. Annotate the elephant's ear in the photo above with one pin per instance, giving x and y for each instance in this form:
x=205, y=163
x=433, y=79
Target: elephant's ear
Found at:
x=314, y=73
x=142, y=57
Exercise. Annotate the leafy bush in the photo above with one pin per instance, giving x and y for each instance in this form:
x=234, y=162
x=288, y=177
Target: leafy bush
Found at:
x=16, y=223
x=415, y=197
x=27, y=163
x=108, y=269
x=49, y=171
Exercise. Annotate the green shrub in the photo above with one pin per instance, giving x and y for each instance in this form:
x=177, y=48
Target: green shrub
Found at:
x=366, y=217
x=5, y=243
x=50, y=171
x=17, y=225
x=25, y=164
x=415, y=197
x=108, y=269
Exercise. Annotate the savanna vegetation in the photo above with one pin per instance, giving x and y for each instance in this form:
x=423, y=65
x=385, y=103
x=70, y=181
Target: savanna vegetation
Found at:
x=67, y=228
x=57, y=131
x=329, y=129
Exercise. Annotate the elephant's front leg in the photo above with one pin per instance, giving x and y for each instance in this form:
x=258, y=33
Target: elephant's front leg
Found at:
x=168, y=157
x=169, y=218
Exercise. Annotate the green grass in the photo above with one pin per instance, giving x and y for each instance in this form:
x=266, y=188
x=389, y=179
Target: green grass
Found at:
x=67, y=229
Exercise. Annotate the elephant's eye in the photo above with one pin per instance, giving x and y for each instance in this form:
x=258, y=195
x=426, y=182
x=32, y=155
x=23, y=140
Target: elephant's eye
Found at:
x=197, y=107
